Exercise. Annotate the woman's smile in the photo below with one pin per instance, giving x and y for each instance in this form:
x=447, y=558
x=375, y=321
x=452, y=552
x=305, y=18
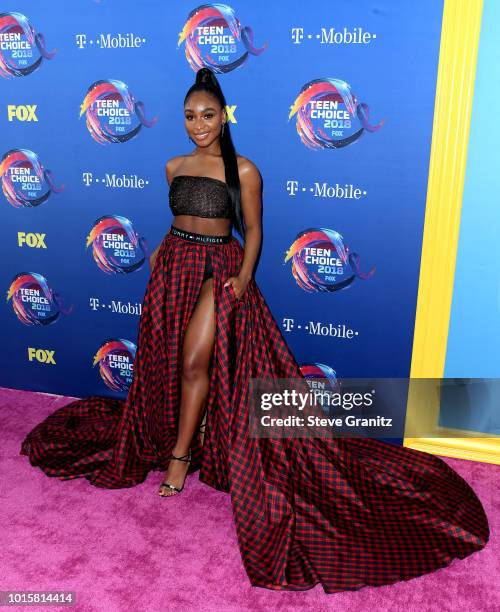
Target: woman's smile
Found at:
x=201, y=136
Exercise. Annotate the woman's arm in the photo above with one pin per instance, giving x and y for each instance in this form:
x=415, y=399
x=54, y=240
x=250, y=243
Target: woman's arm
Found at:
x=169, y=171
x=251, y=205
x=152, y=257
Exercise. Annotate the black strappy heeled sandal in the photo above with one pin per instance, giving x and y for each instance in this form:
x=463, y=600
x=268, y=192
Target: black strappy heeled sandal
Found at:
x=186, y=459
x=201, y=432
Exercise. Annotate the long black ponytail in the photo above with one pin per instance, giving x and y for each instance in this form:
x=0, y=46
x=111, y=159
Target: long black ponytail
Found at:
x=207, y=81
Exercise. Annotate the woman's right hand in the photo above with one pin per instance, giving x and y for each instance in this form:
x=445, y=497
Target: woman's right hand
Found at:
x=152, y=259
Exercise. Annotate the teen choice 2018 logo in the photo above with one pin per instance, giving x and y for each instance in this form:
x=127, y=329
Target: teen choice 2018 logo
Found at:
x=215, y=39
x=34, y=301
x=116, y=246
x=322, y=379
x=322, y=262
x=112, y=113
x=116, y=363
x=22, y=50
x=25, y=182
x=329, y=115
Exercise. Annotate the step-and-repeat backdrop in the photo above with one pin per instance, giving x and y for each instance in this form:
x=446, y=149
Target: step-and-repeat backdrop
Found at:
x=333, y=101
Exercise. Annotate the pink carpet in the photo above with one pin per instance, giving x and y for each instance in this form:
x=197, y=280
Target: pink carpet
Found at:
x=129, y=549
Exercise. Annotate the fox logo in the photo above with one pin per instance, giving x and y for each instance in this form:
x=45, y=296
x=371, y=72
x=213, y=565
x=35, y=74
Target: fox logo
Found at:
x=22, y=112
x=33, y=240
x=41, y=355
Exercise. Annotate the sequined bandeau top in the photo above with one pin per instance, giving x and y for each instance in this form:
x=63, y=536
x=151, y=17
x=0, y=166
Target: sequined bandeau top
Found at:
x=200, y=196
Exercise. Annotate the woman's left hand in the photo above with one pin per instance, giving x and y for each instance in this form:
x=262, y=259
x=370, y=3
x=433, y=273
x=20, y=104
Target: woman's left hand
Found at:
x=239, y=285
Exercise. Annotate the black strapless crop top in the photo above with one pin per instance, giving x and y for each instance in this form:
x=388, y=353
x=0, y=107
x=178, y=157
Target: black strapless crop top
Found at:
x=200, y=196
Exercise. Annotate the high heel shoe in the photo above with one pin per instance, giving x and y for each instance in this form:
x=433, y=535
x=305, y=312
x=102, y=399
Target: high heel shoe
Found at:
x=185, y=458
x=201, y=432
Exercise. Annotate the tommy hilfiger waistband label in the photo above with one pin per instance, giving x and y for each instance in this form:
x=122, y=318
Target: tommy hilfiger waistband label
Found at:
x=203, y=238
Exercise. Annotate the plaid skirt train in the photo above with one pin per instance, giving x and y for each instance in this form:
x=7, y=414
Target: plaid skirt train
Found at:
x=343, y=513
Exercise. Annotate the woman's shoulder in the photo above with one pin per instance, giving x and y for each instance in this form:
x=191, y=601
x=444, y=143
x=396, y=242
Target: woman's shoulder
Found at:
x=174, y=162
x=247, y=170
x=172, y=166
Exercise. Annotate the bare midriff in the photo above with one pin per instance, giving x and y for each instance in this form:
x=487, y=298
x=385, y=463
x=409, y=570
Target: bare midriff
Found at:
x=202, y=225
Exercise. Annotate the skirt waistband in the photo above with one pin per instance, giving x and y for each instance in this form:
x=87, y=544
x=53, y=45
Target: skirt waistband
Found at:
x=203, y=238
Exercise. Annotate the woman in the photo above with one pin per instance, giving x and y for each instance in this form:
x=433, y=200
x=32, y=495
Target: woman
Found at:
x=345, y=513
x=215, y=175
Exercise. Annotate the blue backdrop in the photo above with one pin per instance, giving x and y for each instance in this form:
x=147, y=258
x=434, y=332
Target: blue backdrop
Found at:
x=358, y=84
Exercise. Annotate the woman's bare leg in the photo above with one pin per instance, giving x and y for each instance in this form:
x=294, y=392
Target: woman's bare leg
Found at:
x=197, y=351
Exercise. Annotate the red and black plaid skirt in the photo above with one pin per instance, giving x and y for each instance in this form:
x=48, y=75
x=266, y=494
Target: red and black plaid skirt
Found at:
x=344, y=513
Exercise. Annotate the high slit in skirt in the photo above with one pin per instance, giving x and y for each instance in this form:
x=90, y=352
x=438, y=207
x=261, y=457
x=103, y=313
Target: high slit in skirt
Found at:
x=345, y=513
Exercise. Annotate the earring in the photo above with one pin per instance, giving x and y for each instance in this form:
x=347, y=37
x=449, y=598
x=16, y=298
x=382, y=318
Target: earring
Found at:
x=222, y=130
